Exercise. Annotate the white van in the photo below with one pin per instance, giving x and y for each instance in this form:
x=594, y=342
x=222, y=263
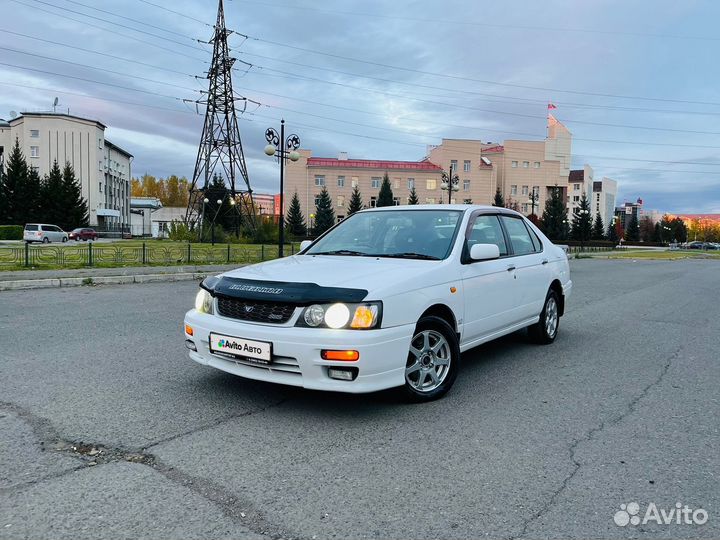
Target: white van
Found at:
x=40, y=232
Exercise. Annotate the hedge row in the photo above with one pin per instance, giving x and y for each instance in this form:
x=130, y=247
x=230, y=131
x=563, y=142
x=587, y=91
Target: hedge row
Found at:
x=11, y=232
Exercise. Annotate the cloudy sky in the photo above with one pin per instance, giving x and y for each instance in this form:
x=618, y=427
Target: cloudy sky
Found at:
x=636, y=82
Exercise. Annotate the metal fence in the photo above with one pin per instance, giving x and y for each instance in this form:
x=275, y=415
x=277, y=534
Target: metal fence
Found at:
x=136, y=255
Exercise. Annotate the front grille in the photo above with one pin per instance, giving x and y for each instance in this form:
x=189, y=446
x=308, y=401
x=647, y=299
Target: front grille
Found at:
x=255, y=310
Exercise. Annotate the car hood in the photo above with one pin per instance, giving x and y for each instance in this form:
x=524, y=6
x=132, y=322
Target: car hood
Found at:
x=369, y=273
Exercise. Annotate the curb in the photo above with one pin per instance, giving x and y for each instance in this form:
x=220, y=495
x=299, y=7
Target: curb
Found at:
x=46, y=283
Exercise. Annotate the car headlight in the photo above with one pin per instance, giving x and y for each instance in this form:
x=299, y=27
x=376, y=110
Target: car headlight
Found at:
x=204, y=302
x=361, y=316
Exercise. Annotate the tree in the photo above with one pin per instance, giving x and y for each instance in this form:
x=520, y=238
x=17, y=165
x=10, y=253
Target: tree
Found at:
x=598, y=230
x=324, y=213
x=295, y=221
x=385, y=197
x=657, y=233
x=499, y=199
x=356, y=202
x=27, y=196
x=612, y=232
x=647, y=228
x=413, y=198
x=582, y=222
x=13, y=186
x=632, y=234
x=76, y=214
x=679, y=230
x=554, y=217
x=52, y=196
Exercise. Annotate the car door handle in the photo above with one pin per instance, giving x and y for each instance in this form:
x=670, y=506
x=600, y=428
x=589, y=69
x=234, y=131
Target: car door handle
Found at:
x=544, y=261
x=511, y=268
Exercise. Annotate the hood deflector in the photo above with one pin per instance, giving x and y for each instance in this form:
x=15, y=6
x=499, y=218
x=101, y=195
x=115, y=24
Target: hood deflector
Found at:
x=281, y=291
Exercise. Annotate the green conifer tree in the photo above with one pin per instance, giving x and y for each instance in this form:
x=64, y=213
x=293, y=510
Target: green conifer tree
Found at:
x=385, y=197
x=632, y=234
x=13, y=187
x=52, y=196
x=76, y=214
x=499, y=199
x=582, y=222
x=554, y=217
x=356, y=202
x=413, y=198
x=295, y=221
x=598, y=230
x=324, y=213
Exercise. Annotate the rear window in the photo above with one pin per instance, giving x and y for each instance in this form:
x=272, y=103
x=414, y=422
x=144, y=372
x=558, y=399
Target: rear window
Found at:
x=31, y=227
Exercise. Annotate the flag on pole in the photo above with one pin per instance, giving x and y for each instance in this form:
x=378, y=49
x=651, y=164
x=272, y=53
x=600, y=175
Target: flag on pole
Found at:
x=551, y=106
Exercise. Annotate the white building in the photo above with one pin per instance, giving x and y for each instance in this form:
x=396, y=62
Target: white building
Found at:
x=148, y=217
x=604, y=193
x=102, y=168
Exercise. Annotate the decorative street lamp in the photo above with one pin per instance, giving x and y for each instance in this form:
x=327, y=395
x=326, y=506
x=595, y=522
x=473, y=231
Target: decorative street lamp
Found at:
x=582, y=213
x=312, y=223
x=533, y=201
x=450, y=182
x=212, y=225
x=283, y=149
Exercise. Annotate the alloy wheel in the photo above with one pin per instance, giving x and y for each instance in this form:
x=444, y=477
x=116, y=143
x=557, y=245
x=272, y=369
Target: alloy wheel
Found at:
x=428, y=362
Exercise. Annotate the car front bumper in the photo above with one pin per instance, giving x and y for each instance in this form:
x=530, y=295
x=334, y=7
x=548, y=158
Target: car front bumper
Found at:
x=296, y=357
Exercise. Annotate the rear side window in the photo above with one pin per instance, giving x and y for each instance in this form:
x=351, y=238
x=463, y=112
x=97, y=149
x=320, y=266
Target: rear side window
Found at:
x=520, y=239
x=31, y=227
x=535, y=240
x=487, y=230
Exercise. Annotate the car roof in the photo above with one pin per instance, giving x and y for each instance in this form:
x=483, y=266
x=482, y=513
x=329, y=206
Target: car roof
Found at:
x=460, y=207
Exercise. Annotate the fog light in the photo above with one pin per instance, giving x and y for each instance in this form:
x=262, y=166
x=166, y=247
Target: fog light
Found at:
x=343, y=374
x=190, y=344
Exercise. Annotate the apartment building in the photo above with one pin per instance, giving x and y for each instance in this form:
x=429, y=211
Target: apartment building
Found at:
x=102, y=168
x=604, y=194
x=518, y=167
x=580, y=181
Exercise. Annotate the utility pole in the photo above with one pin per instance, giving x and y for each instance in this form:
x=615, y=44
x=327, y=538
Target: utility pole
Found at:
x=220, y=152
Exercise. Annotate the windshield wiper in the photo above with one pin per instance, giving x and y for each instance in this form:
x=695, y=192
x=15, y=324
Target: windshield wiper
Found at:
x=341, y=252
x=409, y=255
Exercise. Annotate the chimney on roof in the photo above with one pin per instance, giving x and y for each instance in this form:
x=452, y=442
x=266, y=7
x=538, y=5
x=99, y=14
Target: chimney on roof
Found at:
x=342, y=156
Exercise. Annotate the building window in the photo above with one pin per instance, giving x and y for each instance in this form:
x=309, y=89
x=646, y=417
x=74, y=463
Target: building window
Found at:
x=453, y=164
x=373, y=202
x=317, y=199
x=513, y=190
x=431, y=183
x=514, y=164
x=34, y=151
x=411, y=183
x=526, y=164
x=319, y=180
x=100, y=187
x=100, y=143
x=466, y=185
x=525, y=207
x=376, y=182
x=576, y=187
x=396, y=183
x=341, y=200
x=354, y=181
x=430, y=200
x=396, y=201
x=597, y=196
x=35, y=169
x=34, y=133
x=341, y=181
x=525, y=190
x=536, y=165
x=576, y=198
x=466, y=165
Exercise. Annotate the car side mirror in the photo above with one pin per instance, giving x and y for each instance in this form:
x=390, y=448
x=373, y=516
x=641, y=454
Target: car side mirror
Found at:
x=484, y=252
x=305, y=244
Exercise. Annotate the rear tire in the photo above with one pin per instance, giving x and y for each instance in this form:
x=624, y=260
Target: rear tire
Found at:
x=546, y=329
x=64, y=239
x=433, y=361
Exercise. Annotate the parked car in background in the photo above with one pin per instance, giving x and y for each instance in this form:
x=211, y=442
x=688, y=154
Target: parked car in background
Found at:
x=41, y=232
x=694, y=245
x=83, y=234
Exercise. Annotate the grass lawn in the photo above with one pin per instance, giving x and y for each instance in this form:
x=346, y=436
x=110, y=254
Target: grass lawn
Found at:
x=661, y=255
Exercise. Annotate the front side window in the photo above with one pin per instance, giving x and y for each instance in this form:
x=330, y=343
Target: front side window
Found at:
x=520, y=239
x=413, y=234
x=487, y=230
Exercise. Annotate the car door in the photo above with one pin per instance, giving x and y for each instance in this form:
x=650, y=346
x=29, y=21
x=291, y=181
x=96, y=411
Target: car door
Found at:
x=531, y=265
x=56, y=234
x=489, y=287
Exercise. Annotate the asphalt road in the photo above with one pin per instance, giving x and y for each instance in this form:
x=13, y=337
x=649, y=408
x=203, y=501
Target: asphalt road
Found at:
x=537, y=442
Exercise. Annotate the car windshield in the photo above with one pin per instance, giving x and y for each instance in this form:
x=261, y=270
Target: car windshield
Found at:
x=409, y=234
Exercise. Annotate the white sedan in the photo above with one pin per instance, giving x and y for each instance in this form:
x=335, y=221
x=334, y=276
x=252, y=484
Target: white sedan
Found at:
x=387, y=298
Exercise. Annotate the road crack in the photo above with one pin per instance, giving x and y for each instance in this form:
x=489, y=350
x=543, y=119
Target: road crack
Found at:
x=98, y=454
x=591, y=434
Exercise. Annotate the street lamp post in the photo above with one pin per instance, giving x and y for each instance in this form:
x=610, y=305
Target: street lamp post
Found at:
x=450, y=182
x=202, y=218
x=212, y=225
x=282, y=149
x=312, y=223
x=582, y=213
x=533, y=200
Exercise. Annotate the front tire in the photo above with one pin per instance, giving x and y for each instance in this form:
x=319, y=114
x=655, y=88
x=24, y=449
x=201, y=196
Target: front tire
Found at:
x=545, y=330
x=433, y=360
x=46, y=240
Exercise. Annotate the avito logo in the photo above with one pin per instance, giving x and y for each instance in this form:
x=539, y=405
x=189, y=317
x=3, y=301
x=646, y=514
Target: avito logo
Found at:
x=629, y=514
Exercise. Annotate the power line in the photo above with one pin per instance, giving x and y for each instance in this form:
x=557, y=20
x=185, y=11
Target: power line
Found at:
x=473, y=22
x=85, y=24
x=469, y=79
x=185, y=15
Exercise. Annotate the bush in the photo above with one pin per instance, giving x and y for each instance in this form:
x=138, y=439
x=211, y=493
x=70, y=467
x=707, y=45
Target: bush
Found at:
x=11, y=232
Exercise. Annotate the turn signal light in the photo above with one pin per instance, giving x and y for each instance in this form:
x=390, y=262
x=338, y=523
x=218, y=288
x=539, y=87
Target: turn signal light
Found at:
x=364, y=317
x=343, y=356
x=188, y=330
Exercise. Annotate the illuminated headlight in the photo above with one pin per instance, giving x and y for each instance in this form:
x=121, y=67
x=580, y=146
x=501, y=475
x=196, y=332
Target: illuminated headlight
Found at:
x=204, y=302
x=339, y=315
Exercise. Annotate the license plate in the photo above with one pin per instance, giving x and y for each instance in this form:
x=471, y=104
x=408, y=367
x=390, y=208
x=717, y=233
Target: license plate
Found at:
x=257, y=351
